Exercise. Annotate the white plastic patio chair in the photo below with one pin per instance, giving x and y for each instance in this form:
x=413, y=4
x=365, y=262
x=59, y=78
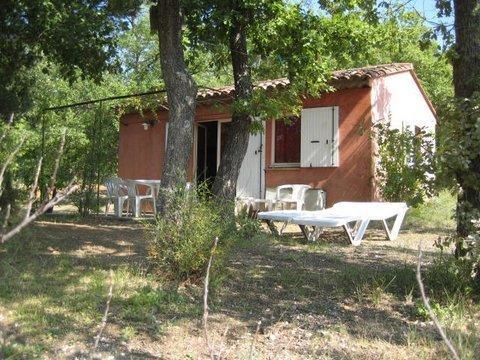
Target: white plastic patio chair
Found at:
x=342, y=214
x=135, y=199
x=293, y=194
x=116, y=195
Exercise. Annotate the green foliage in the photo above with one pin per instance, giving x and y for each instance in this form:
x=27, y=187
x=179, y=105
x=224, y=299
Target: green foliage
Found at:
x=406, y=165
x=283, y=41
x=248, y=227
x=148, y=301
x=397, y=36
x=459, y=149
x=75, y=35
x=467, y=255
x=91, y=135
x=184, y=235
x=436, y=213
x=448, y=277
x=295, y=48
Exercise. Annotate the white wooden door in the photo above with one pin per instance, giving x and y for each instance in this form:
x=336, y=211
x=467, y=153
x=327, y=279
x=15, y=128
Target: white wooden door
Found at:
x=251, y=180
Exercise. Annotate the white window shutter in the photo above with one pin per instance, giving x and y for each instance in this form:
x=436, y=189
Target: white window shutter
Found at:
x=319, y=137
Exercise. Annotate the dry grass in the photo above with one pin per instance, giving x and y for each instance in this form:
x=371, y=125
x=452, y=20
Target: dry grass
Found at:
x=319, y=300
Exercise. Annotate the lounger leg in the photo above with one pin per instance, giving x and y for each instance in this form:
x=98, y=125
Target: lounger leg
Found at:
x=284, y=225
x=348, y=231
x=117, y=207
x=393, y=234
x=356, y=236
x=137, y=207
x=356, y=226
x=312, y=235
x=316, y=232
x=272, y=227
x=304, y=230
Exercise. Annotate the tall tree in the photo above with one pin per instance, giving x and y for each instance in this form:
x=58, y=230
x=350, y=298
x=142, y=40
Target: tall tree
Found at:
x=237, y=135
x=466, y=79
x=253, y=31
x=167, y=18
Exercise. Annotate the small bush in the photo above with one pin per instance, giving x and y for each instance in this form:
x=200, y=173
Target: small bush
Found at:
x=185, y=233
x=248, y=227
x=435, y=213
x=406, y=164
x=448, y=277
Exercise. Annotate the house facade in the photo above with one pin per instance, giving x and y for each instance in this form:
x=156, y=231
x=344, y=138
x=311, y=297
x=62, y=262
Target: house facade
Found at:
x=329, y=146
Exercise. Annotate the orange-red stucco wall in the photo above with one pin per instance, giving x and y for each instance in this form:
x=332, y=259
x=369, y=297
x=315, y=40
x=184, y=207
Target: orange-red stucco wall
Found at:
x=142, y=152
x=352, y=179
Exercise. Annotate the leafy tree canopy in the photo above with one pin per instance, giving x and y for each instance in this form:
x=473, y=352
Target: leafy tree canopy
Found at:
x=76, y=35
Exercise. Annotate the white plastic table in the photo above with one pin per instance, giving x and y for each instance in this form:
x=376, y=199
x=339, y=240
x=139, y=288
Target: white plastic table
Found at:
x=153, y=185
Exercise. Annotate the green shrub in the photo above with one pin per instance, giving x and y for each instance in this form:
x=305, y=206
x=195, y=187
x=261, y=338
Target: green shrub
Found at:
x=406, y=167
x=435, y=213
x=448, y=277
x=185, y=233
x=248, y=227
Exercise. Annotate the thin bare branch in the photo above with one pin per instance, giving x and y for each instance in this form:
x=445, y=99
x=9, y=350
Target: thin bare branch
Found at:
x=31, y=197
x=9, y=160
x=426, y=303
x=53, y=178
x=107, y=308
x=41, y=209
x=205, y=299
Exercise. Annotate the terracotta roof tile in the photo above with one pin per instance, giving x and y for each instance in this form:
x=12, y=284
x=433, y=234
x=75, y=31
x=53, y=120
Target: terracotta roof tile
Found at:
x=371, y=72
x=363, y=73
x=229, y=90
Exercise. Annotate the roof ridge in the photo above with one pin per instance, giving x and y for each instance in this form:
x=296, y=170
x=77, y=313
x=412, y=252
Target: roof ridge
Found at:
x=352, y=74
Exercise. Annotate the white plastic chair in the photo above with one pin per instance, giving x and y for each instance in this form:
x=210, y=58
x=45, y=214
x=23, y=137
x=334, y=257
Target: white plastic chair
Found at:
x=291, y=194
x=135, y=199
x=116, y=195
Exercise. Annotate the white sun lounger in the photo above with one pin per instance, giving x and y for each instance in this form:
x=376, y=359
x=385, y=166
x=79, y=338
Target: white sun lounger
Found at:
x=342, y=214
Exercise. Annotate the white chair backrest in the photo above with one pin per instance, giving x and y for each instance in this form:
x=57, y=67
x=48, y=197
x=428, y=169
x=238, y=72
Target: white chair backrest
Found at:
x=284, y=192
x=294, y=192
x=315, y=199
x=114, y=186
x=132, y=190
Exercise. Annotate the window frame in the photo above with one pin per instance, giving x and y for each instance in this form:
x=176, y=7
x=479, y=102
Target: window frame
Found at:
x=283, y=164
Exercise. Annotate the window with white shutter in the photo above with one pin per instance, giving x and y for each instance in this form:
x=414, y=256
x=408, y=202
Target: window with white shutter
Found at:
x=319, y=137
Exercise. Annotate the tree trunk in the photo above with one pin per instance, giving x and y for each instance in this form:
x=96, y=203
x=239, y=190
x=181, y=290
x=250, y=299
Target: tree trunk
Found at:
x=181, y=94
x=466, y=76
x=238, y=131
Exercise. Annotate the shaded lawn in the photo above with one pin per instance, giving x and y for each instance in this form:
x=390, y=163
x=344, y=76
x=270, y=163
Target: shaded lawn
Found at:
x=281, y=296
